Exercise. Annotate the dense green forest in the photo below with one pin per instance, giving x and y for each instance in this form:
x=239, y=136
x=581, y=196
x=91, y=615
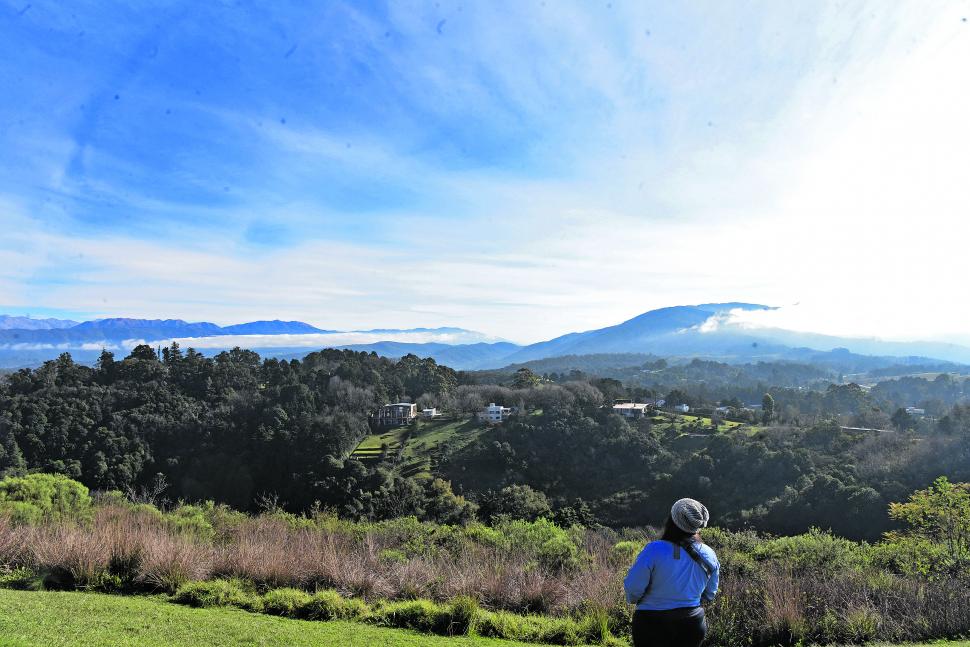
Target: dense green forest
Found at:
x=254, y=432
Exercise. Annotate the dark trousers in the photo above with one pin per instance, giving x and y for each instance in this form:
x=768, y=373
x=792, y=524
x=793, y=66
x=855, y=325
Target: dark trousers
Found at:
x=674, y=628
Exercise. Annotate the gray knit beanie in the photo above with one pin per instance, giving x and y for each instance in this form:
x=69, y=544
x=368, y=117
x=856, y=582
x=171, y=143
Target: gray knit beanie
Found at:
x=689, y=515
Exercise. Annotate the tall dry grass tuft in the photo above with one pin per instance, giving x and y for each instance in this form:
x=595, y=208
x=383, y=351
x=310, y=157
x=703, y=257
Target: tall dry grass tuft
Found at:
x=68, y=555
x=12, y=543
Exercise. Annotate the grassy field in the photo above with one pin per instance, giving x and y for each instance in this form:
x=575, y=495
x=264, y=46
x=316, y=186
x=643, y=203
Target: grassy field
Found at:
x=32, y=619
x=430, y=437
x=427, y=437
x=370, y=446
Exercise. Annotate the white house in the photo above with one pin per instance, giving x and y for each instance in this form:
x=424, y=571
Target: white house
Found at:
x=428, y=414
x=915, y=411
x=634, y=410
x=682, y=408
x=495, y=413
x=722, y=409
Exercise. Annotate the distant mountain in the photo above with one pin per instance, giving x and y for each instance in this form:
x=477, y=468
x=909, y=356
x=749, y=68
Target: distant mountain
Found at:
x=148, y=329
x=656, y=331
x=705, y=331
x=274, y=327
x=9, y=322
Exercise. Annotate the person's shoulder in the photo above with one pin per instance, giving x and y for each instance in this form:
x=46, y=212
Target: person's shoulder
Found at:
x=655, y=546
x=707, y=552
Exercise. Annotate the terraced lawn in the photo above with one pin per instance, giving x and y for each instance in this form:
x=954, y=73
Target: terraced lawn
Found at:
x=430, y=437
x=370, y=446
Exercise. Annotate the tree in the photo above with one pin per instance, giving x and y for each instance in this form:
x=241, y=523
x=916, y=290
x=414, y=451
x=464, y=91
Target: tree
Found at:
x=517, y=502
x=940, y=514
x=524, y=378
x=902, y=421
x=767, y=408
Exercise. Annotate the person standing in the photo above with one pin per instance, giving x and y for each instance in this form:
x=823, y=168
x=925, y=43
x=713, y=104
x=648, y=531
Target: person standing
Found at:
x=669, y=580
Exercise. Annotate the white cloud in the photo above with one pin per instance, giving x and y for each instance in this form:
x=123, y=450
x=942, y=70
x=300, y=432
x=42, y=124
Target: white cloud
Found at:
x=844, y=189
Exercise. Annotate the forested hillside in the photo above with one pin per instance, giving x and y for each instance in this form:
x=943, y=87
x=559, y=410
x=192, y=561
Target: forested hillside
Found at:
x=255, y=432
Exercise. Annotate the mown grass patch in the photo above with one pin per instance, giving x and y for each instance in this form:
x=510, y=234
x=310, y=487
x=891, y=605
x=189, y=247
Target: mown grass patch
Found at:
x=62, y=619
x=430, y=437
x=372, y=446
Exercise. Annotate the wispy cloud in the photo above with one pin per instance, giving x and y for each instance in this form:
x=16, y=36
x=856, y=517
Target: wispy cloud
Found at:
x=486, y=165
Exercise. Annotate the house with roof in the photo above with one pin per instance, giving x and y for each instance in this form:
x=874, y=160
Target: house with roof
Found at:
x=495, y=413
x=396, y=414
x=633, y=410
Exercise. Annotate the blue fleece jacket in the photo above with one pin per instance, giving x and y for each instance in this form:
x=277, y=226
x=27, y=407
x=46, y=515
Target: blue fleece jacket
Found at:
x=665, y=577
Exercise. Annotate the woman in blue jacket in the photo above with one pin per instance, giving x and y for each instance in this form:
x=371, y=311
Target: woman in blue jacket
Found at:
x=669, y=580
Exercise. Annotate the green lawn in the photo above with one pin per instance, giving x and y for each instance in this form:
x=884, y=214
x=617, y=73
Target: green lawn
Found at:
x=370, y=446
x=29, y=619
x=430, y=436
x=35, y=619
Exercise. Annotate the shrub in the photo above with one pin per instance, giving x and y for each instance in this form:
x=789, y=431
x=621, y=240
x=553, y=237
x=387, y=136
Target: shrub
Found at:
x=862, y=624
x=815, y=549
x=594, y=625
x=19, y=578
x=624, y=552
x=392, y=556
x=326, y=605
x=420, y=615
x=463, y=610
x=356, y=609
x=37, y=496
x=218, y=593
x=501, y=624
x=911, y=556
x=287, y=602
x=559, y=554
x=191, y=519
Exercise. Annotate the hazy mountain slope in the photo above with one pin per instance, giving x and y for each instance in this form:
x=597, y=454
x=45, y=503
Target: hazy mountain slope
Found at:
x=650, y=332
x=10, y=322
x=274, y=327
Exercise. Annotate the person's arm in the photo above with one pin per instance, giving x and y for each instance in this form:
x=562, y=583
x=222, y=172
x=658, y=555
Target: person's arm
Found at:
x=638, y=577
x=711, y=589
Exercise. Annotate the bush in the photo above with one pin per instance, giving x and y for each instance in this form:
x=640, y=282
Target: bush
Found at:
x=392, y=556
x=624, y=552
x=326, y=605
x=559, y=554
x=420, y=615
x=463, y=610
x=911, y=556
x=191, y=519
x=218, y=593
x=501, y=624
x=287, y=602
x=31, y=498
x=815, y=549
x=19, y=578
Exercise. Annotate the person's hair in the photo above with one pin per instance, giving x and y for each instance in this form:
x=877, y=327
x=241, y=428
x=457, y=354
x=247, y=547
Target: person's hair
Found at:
x=675, y=535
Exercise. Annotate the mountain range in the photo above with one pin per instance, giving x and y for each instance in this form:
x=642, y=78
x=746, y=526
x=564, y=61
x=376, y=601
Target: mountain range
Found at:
x=704, y=330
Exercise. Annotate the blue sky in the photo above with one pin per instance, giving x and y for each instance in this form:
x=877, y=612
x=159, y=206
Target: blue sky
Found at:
x=524, y=169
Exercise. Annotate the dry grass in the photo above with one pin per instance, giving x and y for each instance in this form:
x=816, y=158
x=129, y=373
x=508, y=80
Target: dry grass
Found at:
x=763, y=603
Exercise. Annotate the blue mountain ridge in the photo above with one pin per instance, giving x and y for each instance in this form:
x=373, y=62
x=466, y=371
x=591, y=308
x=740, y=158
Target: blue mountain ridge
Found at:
x=675, y=331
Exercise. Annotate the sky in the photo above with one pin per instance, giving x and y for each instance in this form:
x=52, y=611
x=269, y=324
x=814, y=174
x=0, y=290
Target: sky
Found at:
x=524, y=169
